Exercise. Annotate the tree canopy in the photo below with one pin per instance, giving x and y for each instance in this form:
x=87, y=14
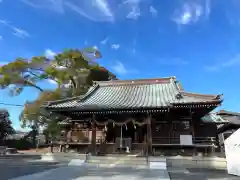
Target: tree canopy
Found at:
x=72, y=70
x=75, y=67
x=6, y=127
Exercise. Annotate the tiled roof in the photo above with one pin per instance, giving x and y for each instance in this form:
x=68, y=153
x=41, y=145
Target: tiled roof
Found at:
x=223, y=117
x=143, y=93
x=214, y=118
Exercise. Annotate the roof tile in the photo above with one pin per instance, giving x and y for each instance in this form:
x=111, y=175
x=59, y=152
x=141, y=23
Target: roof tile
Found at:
x=125, y=94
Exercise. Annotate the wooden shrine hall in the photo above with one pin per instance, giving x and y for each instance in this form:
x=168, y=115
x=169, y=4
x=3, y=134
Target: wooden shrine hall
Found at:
x=151, y=116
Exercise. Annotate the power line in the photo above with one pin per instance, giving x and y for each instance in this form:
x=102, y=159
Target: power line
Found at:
x=16, y=105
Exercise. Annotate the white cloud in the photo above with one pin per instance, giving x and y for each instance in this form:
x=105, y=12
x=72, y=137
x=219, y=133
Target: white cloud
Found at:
x=95, y=47
x=4, y=22
x=115, y=46
x=104, y=41
x=20, y=32
x=134, y=6
x=49, y=53
x=54, y=5
x=153, y=11
x=95, y=10
x=191, y=12
x=119, y=68
x=232, y=62
x=51, y=81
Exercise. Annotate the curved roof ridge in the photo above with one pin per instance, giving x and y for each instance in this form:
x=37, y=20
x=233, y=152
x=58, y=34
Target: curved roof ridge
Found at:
x=48, y=103
x=136, y=81
x=207, y=96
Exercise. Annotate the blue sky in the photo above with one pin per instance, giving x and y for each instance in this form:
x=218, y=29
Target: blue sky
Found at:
x=198, y=41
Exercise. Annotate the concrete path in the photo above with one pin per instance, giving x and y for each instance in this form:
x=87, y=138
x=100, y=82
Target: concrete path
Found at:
x=97, y=173
x=199, y=174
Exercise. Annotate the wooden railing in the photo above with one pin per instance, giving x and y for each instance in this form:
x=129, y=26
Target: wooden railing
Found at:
x=195, y=140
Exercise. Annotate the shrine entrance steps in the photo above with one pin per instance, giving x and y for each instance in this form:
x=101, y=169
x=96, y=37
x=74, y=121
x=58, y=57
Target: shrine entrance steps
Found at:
x=116, y=160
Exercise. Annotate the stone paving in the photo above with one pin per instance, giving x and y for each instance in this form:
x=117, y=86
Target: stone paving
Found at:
x=97, y=173
x=55, y=171
x=199, y=174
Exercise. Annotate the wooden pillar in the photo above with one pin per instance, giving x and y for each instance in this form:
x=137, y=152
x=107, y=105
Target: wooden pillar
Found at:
x=192, y=124
x=149, y=135
x=93, y=143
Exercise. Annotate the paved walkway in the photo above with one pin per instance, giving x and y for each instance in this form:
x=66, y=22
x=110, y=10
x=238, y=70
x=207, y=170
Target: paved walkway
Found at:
x=11, y=170
x=97, y=173
x=199, y=174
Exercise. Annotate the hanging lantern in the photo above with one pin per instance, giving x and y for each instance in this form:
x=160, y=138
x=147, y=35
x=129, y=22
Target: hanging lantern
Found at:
x=134, y=126
x=113, y=124
x=105, y=128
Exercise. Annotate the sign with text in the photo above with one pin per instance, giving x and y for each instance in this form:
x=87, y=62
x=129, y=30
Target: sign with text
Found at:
x=186, y=140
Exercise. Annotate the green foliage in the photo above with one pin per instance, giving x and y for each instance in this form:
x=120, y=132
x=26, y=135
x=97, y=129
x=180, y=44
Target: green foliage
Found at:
x=72, y=66
x=6, y=127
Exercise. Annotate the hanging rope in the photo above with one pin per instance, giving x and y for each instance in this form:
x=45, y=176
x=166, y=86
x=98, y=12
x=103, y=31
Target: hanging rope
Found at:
x=121, y=123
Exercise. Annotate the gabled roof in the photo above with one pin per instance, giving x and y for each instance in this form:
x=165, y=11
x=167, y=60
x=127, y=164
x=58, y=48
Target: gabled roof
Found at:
x=135, y=94
x=214, y=118
x=231, y=117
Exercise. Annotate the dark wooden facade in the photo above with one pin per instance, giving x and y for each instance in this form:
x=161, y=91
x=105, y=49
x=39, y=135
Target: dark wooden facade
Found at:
x=153, y=122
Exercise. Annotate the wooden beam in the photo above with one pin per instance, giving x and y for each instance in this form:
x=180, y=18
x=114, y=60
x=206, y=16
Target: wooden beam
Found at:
x=93, y=143
x=149, y=135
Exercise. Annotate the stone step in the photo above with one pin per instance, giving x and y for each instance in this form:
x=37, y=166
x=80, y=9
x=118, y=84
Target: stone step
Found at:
x=62, y=156
x=110, y=157
x=117, y=160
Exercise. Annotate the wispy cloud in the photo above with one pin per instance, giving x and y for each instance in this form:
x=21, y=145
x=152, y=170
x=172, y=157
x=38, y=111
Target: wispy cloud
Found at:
x=153, y=11
x=104, y=41
x=115, y=46
x=172, y=61
x=1, y=37
x=51, y=81
x=232, y=62
x=95, y=47
x=21, y=33
x=120, y=69
x=95, y=10
x=49, y=53
x=135, y=11
x=191, y=12
x=54, y=5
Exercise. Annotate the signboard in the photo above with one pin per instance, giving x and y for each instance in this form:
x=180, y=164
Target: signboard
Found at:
x=232, y=151
x=186, y=140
